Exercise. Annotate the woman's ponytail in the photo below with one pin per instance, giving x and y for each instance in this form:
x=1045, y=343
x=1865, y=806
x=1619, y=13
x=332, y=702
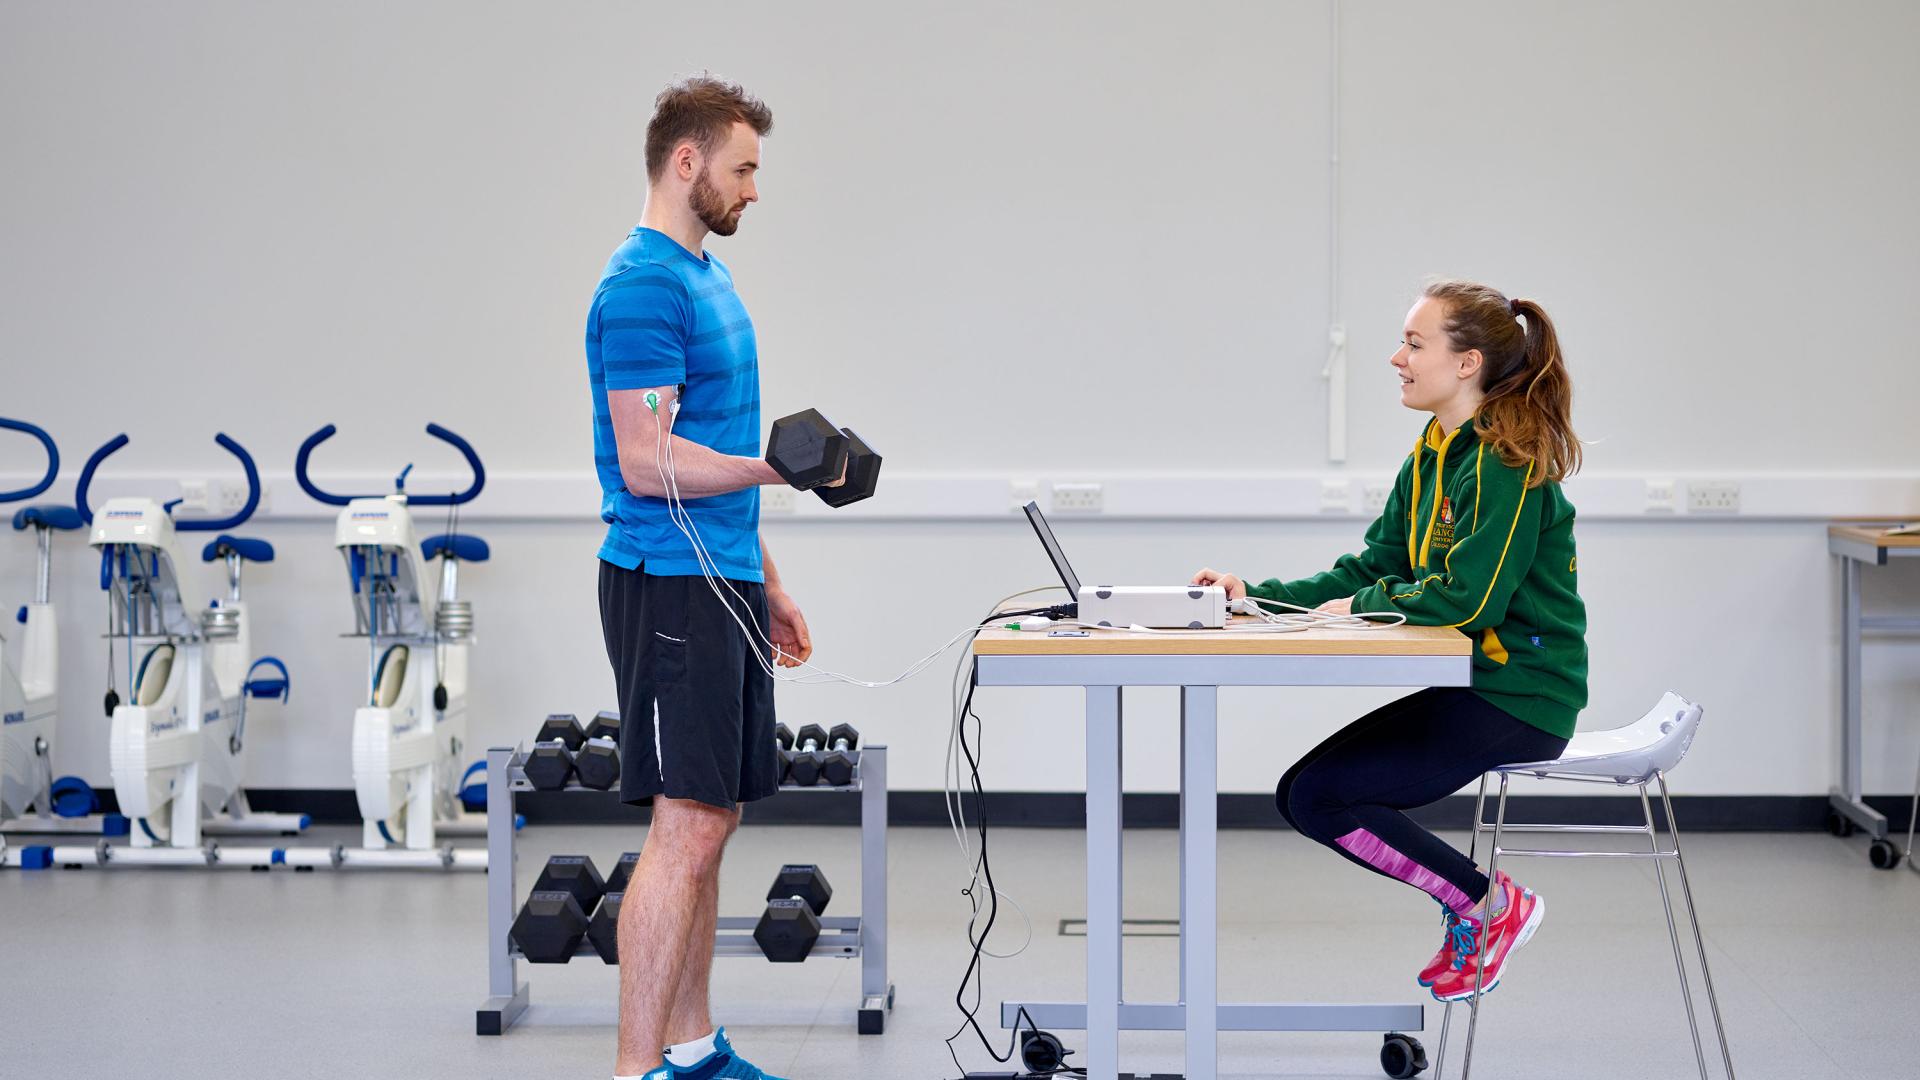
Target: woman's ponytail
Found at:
x=1528, y=411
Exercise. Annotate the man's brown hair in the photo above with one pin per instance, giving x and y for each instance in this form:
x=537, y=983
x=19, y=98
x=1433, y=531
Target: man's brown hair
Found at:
x=702, y=108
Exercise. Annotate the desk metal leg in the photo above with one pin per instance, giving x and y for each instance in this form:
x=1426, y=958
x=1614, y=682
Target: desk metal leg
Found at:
x=1103, y=883
x=1199, y=810
x=1846, y=798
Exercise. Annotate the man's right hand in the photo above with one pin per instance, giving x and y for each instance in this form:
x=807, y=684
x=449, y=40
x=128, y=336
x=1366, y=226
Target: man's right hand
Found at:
x=1236, y=588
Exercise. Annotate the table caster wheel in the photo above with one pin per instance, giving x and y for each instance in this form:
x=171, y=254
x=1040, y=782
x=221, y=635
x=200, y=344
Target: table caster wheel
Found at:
x=1402, y=1056
x=1884, y=855
x=1839, y=824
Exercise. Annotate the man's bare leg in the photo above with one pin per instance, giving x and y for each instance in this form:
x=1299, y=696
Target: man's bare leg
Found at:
x=692, y=1016
x=678, y=870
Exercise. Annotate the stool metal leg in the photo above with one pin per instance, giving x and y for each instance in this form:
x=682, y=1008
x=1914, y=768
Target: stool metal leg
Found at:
x=1479, y=815
x=1693, y=919
x=1913, y=821
x=1486, y=922
x=1473, y=847
x=1673, y=932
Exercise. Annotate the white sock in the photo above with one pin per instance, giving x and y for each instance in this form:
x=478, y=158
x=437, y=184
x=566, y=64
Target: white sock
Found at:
x=691, y=1053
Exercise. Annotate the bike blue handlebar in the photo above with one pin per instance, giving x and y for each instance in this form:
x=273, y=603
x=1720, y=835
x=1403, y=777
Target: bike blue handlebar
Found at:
x=329, y=498
x=53, y=460
x=234, y=448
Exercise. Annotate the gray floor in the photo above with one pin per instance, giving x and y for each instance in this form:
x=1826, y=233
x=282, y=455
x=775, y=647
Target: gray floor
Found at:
x=229, y=974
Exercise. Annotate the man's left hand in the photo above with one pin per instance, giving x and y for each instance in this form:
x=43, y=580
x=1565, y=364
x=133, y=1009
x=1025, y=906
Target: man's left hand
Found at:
x=789, y=629
x=1342, y=606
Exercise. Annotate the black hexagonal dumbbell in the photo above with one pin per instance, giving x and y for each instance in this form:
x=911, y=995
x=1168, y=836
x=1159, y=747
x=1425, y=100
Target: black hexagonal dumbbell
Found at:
x=783, y=747
x=803, y=767
x=837, y=764
x=810, y=453
x=597, y=764
x=605, y=725
x=561, y=727
x=863, y=473
x=603, y=930
x=623, y=872
x=549, y=765
x=554, y=918
x=790, y=926
x=549, y=927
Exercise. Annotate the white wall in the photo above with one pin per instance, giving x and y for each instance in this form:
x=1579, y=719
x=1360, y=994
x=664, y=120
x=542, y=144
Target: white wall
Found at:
x=1107, y=222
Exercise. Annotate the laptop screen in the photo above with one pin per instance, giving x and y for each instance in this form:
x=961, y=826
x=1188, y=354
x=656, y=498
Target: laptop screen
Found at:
x=1041, y=529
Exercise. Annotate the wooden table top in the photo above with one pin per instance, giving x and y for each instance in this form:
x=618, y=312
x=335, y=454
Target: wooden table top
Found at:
x=1388, y=641
x=1870, y=534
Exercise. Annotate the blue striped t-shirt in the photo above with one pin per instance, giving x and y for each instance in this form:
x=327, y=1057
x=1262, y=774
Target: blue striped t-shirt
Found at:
x=664, y=317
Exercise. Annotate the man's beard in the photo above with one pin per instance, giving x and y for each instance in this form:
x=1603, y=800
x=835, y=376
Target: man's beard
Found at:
x=711, y=209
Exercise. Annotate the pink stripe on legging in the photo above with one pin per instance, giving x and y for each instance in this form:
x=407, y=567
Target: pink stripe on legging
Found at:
x=1374, y=851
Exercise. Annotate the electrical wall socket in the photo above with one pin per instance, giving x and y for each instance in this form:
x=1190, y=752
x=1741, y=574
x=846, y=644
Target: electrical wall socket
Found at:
x=227, y=497
x=1713, y=497
x=777, y=499
x=1022, y=492
x=1336, y=497
x=1078, y=498
x=193, y=495
x=1375, y=497
x=1660, y=497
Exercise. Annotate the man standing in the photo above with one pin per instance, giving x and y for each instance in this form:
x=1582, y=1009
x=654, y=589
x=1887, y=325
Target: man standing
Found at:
x=690, y=603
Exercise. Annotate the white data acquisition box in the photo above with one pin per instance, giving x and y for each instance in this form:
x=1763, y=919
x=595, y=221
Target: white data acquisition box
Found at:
x=1194, y=607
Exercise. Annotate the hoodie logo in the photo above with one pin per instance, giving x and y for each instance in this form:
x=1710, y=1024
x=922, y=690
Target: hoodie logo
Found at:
x=1446, y=511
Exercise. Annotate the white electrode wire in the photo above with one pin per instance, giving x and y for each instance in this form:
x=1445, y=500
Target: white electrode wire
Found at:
x=683, y=520
x=956, y=808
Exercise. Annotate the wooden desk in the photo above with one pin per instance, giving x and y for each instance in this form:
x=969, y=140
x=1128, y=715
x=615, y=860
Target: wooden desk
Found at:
x=1199, y=662
x=1857, y=546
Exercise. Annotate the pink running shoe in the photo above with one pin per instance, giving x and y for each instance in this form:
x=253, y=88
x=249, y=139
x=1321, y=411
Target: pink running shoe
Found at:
x=1442, y=961
x=1510, y=930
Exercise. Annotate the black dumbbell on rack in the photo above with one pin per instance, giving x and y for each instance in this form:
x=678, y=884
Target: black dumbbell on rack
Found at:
x=803, y=765
x=838, y=763
x=554, y=918
x=810, y=453
x=783, y=746
x=789, y=928
x=563, y=750
x=603, y=930
x=604, y=725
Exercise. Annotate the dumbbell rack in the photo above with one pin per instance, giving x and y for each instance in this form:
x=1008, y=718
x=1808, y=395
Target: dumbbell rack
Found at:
x=844, y=936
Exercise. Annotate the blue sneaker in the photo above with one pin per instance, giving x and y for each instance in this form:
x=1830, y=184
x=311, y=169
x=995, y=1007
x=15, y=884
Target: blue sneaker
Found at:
x=722, y=1064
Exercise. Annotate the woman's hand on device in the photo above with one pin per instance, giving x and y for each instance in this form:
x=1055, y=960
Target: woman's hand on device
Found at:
x=1236, y=589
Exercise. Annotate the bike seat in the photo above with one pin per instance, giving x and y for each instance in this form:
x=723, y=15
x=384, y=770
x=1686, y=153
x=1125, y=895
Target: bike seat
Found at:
x=463, y=546
x=251, y=550
x=47, y=516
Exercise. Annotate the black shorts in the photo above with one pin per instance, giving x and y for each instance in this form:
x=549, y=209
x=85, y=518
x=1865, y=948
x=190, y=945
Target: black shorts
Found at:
x=696, y=707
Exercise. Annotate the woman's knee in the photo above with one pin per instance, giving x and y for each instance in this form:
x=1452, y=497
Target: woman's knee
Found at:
x=1306, y=804
x=1282, y=794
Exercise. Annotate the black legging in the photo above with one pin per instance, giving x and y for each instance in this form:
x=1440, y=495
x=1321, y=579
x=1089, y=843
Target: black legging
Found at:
x=1348, y=792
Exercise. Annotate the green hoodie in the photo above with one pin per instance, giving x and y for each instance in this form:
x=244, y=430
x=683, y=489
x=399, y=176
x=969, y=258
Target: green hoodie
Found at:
x=1465, y=543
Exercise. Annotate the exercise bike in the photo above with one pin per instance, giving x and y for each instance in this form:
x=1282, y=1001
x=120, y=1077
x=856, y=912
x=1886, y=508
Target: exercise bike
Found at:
x=178, y=743
x=410, y=727
x=31, y=800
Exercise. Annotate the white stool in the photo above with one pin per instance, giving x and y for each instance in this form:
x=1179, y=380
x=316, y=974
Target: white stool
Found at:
x=1641, y=753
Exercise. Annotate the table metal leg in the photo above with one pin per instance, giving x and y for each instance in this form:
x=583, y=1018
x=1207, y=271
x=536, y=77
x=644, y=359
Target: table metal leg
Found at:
x=1846, y=799
x=1103, y=883
x=1199, y=811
